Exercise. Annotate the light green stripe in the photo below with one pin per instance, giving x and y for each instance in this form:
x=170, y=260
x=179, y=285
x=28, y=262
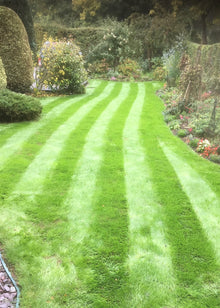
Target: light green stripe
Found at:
x=149, y=262
x=15, y=142
x=93, y=83
x=84, y=180
x=32, y=180
x=204, y=201
x=83, y=184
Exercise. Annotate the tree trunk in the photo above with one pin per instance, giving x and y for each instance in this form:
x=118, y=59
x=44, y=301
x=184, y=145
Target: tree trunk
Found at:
x=204, y=29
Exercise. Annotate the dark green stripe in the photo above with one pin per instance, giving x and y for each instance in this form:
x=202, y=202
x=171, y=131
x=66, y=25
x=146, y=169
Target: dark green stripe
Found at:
x=17, y=164
x=192, y=255
x=110, y=223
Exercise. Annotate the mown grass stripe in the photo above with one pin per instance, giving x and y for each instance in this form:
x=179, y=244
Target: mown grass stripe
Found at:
x=50, y=223
x=204, y=200
x=151, y=279
x=84, y=179
x=105, y=247
x=15, y=142
x=48, y=100
x=17, y=164
x=192, y=254
x=32, y=180
x=81, y=195
x=8, y=129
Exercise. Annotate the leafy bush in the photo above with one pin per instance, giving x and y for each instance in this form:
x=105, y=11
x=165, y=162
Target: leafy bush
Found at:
x=100, y=68
x=171, y=60
x=194, y=143
x=114, y=47
x=15, y=51
x=182, y=133
x=3, y=78
x=174, y=125
x=156, y=62
x=129, y=68
x=159, y=73
x=215, y=158
x=62, y=67
x=169, y=117
x=15, y=107
x=145, y=65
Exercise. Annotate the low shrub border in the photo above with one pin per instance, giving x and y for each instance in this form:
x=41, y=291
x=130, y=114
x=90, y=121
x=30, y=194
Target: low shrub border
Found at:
x=16, y=107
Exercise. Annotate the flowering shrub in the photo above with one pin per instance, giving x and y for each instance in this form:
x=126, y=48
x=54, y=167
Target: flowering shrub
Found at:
x=114, y=46
x=206, y=95
x=202, y=144
x=208, y=150
x=62, y=67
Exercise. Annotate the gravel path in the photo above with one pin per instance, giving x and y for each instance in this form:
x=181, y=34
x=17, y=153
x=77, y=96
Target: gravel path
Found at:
x=8, y=292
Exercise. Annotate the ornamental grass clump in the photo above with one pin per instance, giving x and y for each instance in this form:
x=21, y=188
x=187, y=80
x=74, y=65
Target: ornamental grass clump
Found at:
x=62, y=67
x=16, y=107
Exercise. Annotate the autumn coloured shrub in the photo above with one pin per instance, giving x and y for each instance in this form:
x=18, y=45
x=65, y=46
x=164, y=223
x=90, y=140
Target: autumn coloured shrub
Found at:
x=129, y=68
x=62, y=67
x=159, y=73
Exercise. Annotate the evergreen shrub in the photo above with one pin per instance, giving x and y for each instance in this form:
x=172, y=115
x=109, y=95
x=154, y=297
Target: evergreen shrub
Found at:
x=16, y=107
x=3, y=78
x=15, y=51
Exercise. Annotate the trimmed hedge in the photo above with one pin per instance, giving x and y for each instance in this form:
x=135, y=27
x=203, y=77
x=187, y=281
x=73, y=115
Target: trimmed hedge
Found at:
x=3, y=78
x=85, y=37
x=15, y=51
x=16, y=107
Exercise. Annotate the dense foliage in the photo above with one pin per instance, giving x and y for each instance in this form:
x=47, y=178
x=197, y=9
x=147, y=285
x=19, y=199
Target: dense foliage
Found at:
x=15, y=51
x=62, y=67
x=15, y=107
x=23, y=9
x=114, y=46
x=3, y=79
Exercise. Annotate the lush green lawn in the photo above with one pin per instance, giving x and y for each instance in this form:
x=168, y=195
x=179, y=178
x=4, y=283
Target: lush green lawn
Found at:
x=101, y=206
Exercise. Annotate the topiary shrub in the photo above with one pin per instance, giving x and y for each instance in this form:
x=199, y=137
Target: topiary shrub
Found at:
x=15, y=51
x=3, y=78
x=15, y=107
x=62, y=67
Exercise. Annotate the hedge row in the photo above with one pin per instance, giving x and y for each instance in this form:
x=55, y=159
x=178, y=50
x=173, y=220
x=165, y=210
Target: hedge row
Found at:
x=85, y=37
x=3, y=79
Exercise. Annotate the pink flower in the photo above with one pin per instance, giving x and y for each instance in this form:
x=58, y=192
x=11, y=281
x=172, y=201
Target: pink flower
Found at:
x=113, y=78
x=190, y=129
x=181, y=117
